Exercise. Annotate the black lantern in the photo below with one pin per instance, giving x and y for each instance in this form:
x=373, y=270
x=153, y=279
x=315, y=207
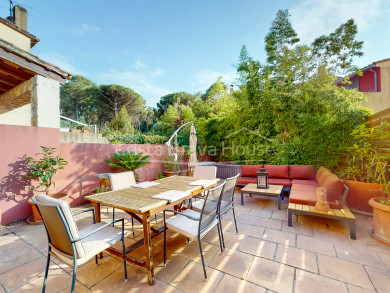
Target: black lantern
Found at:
x=262, y=178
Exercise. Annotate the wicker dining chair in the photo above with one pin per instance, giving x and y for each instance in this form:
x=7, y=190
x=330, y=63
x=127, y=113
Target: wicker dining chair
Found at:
x=227, y=202
x=68, y=244
x=120, y=181
x=196, y=225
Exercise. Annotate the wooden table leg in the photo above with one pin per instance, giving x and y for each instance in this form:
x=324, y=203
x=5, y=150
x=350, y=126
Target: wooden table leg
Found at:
x=98, y=218
x=148, y=249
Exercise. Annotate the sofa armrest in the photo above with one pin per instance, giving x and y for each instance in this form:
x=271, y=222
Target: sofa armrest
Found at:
x=343, y=197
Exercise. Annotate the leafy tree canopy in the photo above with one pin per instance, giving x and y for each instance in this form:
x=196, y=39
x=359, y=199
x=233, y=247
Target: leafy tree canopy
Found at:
x=180, y=98
x=76, y=102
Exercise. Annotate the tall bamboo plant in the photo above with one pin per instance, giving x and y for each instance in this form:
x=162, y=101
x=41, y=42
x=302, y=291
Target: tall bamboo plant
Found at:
x=368, y=160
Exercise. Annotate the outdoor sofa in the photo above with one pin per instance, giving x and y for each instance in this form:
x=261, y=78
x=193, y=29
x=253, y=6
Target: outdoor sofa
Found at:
x=301, y=182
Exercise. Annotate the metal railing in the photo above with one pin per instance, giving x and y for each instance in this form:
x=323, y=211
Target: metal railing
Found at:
x=77, y=122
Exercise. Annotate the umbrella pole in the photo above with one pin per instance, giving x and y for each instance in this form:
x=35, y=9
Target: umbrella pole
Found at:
x=176, y=154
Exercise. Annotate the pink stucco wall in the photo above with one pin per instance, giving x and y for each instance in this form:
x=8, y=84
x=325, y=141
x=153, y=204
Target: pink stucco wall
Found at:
x=76, y=179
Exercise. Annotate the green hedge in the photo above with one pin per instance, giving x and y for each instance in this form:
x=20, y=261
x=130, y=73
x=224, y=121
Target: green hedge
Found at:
x=137, y=139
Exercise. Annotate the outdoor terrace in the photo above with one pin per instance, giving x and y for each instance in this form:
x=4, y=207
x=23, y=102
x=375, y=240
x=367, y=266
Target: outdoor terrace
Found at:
x=315, y=255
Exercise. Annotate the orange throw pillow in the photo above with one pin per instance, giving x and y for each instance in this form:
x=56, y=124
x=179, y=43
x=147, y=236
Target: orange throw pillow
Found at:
x=334, y=187
x=319, y=172
x=325, y=174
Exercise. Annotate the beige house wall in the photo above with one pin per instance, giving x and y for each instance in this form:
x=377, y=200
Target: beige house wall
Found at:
x=379, y=101
x=14, y=37
x=20, y=116
x=35, y=102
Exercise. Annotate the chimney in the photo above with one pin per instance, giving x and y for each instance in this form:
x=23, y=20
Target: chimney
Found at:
x=20, y=17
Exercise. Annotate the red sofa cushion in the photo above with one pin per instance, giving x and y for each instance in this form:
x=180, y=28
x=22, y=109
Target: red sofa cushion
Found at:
x=302, y=172
x=277, y=171
x=304, y=187
x=246, y=180
x=308, y=198
x=304, y=182
x=280, y=181
x=250, y=170
x=334, y=187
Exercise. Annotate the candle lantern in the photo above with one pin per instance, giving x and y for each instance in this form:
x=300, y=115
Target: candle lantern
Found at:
x=262, y=178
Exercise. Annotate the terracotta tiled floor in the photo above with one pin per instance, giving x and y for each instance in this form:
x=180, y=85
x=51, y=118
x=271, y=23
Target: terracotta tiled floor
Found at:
x=315, y=255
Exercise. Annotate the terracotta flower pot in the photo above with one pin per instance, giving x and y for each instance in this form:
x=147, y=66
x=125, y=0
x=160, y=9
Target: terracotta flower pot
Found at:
x=359, y=194
x=381, y=231
x=169, y=173
x=183, y=172
x=36, y=218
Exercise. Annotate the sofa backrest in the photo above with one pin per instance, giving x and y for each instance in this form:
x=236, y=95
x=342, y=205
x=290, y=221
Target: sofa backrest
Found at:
x=280, y=171
x=307, y=172
x=250, y=170
x=322, y=177
x=334, y=187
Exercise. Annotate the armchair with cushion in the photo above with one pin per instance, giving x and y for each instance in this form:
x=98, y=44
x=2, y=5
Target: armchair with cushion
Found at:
x=68, y=244
x=196, y=225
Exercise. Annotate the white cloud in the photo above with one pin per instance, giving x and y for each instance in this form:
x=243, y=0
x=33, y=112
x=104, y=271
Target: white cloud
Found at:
x=313, y=18
x=204, y=78
x=157, y=72
x=59, y=60
x=139, y=65
x=143, y=82
x=84, y=28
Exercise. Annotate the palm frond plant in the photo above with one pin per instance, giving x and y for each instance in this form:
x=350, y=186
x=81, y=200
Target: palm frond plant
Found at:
x=128, y=161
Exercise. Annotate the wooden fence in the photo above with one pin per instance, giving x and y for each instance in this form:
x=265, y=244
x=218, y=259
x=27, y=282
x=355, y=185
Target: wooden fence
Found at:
x=378, y=118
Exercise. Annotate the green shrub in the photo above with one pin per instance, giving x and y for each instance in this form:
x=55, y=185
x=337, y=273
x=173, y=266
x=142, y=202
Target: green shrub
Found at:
x=117, y=138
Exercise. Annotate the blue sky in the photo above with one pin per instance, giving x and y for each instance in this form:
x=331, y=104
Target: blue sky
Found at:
x=157, y=47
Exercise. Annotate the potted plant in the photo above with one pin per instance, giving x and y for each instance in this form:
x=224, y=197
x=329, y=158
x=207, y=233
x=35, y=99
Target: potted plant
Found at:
x=128, y=161
x=363, y=169
x=168, y=165
x=381, y=209
x=43, y=170
x=183, y=157
x=99, y=189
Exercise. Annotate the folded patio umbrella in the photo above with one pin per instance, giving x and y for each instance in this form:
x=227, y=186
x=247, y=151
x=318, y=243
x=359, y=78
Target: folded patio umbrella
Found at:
x=193, y=159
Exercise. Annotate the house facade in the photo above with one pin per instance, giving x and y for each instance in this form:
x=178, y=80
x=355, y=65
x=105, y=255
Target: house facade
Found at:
x=29, y=86
x=374, y=84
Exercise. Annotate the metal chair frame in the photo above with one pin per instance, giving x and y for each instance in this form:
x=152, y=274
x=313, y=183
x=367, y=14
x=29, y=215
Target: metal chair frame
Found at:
x=229, y=207
x=200, y=235
x=74, y=240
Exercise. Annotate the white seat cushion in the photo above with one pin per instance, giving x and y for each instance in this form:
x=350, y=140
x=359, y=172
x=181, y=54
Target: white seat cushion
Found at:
x=93, y=244
x=186, y=226
x=121, y=180
x=65, y=208
x=209, y=172
x=197, y=205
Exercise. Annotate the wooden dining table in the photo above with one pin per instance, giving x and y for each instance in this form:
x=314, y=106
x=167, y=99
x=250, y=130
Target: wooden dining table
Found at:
x=139, y=203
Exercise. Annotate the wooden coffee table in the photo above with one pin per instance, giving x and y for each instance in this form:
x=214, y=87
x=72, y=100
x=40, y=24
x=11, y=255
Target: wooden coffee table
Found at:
x=251, y=188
